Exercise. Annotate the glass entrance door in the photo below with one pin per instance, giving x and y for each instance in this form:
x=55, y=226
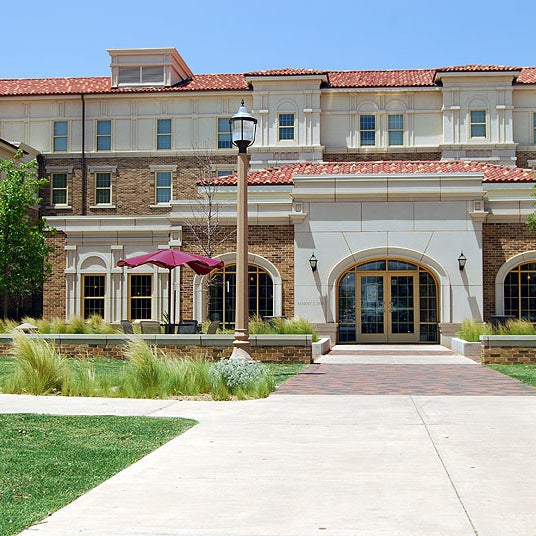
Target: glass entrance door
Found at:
x=387, y=301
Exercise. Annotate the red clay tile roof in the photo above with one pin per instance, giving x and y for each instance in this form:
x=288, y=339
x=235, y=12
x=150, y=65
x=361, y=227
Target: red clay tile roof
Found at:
x=411, y=78
x=527, y=76
x=238, y=82
x=286, y=72
x=102, y=84
x=477, y=68
x=284, y=175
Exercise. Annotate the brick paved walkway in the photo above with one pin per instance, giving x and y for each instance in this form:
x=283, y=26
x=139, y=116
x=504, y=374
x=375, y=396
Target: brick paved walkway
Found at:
x=402, y=379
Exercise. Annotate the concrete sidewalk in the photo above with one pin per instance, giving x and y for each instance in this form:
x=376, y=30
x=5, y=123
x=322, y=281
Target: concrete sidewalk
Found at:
x=302, y=465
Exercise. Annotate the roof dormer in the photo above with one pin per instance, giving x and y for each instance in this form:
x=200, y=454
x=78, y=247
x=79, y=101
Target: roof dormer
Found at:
x=147, y=67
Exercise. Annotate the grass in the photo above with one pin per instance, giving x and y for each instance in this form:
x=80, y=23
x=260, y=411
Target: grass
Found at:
x=524, y=373
x=37, y=368
x=48, y=461
x=472, y=330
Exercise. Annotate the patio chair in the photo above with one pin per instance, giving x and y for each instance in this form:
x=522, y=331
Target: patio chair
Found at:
x=150, y=326
x=187, y=327
x=213, y=328
x=127, y=327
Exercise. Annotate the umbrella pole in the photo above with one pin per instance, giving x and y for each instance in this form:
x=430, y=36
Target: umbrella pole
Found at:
x=169, y=297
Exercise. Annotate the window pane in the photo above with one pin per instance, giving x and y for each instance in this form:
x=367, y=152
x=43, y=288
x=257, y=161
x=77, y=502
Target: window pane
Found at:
x=478, y=116
x=104, y=127
x=141, y=297
x=396, y=122
x=164, y=126
x=94, y=289
x=224, y=133
x=104, y=143
x=59, y=180
x=60, y=128
x=163, y=178
x=396, y=138
x=367, y=127
x=103, y=196
x=103, y=180
x=286, y=126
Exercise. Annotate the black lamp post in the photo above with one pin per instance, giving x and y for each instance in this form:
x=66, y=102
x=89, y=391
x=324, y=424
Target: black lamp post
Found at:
x=313, y=262
x=243, y=128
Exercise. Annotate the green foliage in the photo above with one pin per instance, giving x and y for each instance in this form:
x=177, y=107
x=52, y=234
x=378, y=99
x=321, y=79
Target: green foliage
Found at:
x=39, y=368
x=515, y=327
x=48, y=461
x=244, y=379
x=147, y=373
x=471, y=330
x=24, y=264
x=282, y=326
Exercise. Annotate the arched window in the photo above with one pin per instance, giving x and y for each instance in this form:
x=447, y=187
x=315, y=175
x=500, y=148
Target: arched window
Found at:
x=520, y=292
x=222, y=294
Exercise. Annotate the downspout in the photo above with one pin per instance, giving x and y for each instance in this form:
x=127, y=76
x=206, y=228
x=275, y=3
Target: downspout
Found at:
x=84, y=170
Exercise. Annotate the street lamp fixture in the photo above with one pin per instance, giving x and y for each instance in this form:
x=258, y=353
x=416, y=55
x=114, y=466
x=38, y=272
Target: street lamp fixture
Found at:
x=461, y=262
x=313, y=262
x=243, y=128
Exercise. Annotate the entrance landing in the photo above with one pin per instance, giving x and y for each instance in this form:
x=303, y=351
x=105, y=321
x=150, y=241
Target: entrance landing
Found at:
x=400, y=370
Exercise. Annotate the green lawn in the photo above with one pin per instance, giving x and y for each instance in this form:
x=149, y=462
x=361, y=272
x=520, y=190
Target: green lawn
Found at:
x=48, y=461
x=524, y=373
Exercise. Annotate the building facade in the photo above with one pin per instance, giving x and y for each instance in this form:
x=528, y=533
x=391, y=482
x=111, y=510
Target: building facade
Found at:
x=387, y=177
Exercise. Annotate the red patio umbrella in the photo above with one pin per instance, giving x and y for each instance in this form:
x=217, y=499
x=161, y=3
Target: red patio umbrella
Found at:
x=171, y=258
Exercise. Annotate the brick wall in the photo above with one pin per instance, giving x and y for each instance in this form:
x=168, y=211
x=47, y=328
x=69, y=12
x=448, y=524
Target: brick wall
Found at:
x=54, y=288
x=508, y=355
x=274, y=242
x=500, y=241
x=523, y=157
x=265, y=353
x=133, y=185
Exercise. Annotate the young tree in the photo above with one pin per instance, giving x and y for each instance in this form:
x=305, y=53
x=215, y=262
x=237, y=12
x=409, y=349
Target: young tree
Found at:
x=24, y=264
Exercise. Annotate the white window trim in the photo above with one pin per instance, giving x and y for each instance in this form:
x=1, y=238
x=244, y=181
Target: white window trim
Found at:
x=54, y=137
x=59, y=205
x=101, y=135
x=485, y=124
x=163, y=170
x=403, y=129
x=279, y=127
x=163, y=134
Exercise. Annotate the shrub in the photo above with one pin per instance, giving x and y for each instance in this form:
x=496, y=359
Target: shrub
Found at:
x=516, y=327
x=244, y=379
x=39, y=368
x=282, y=326
x=471, y=330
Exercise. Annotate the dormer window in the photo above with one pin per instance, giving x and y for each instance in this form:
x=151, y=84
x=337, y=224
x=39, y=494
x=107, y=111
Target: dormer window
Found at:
x=145, y=76
x=148, y=67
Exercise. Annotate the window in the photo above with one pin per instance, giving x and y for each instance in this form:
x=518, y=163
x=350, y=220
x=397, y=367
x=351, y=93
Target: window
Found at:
x=224, y=173
x=520, y=292
x=163, y=134
x=478, y=123
x=222, y=290
x=224, y=133
x=141, y=290
x=103, y=188
x=60, y=136
x=367, y=129
x=59, y=188
x=93, y=297
x=128, y=76
x=286, y=126
x=104, y=135
x=395, y=127
x=163, y=186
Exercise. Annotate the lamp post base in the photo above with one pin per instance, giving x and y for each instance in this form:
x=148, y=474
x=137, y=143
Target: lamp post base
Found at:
x=241, y=346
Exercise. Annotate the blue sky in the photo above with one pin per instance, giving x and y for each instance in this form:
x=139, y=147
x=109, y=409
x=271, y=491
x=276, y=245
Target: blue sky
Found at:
x=67, y=38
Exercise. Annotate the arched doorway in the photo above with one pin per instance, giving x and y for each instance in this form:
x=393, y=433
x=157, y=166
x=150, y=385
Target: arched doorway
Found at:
x=222, y=294
x=387, y=301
